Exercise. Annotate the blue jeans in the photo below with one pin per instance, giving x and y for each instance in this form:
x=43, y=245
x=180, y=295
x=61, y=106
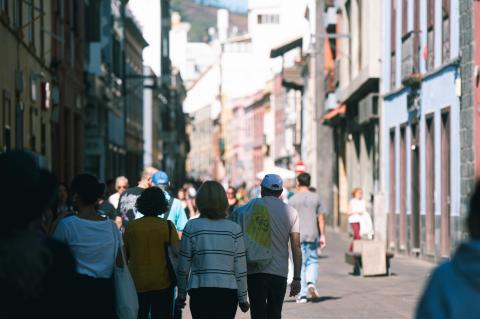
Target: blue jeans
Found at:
x=309, y=265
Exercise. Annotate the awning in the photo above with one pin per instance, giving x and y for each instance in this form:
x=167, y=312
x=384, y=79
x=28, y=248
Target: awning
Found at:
x=334, y=113
x=284, y=48
x=292, y=77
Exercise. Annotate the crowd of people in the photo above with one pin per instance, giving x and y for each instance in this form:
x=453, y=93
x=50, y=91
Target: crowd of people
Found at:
x=62, y=244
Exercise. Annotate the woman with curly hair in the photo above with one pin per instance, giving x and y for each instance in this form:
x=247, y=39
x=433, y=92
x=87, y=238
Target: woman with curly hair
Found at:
x=145, y=240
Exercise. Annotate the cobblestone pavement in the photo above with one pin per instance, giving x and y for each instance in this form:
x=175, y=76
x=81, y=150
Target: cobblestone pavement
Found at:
x=345, y=296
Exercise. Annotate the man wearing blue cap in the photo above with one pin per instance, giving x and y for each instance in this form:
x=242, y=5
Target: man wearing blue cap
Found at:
x=176, y=214
x=269, y=225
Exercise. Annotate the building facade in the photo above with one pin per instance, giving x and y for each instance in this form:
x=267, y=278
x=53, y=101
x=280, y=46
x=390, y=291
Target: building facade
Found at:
x=352, y=59
x=29, y=101
x=134, y=80
x=153, y=103
x=422, y=126
x=67, y=71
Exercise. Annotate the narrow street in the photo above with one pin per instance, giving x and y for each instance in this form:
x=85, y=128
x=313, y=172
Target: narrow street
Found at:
x=345, y=296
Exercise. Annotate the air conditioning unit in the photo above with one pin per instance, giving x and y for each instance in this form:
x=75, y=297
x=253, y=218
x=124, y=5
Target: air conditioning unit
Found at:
x=368, y=109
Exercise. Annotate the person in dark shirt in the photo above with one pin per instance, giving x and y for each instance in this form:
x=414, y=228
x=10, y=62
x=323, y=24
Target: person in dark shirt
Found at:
x=126, y=210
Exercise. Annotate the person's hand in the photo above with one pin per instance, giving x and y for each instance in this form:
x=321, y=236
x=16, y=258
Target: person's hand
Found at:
x=244, y=306
x=180, y=302
x=295, y=287
x=323, y=242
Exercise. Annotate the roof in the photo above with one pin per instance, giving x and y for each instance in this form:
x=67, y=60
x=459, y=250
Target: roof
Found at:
x=284, y=48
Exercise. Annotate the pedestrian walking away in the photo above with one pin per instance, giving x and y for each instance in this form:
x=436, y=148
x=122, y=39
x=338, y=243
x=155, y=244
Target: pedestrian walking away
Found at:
x=126, y=210
x=312, y=220
x=453, y=290
x=92, y=242
x=269, y=225
x=176, y=214
x=145, y=242
x=212, y=264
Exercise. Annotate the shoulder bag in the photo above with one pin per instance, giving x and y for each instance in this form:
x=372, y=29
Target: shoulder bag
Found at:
x=170, y=257
x=126, y=299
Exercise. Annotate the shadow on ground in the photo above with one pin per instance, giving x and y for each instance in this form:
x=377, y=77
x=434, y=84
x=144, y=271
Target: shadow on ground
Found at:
x=316, y=300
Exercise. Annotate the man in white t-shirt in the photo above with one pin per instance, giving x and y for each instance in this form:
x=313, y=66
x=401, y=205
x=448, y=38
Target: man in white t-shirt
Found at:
x=121, y=185
x=268, y=225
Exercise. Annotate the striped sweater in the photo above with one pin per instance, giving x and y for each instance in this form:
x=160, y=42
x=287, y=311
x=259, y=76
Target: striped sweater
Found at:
x=212, y=254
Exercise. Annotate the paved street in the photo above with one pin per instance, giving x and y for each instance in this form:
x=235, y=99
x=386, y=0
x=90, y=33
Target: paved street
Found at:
x=345, y=296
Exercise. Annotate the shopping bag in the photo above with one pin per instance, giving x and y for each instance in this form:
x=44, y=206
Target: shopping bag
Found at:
x=126, y=299
x=171, y=257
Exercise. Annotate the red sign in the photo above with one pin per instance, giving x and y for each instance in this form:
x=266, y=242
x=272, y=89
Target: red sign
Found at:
x=300, y=167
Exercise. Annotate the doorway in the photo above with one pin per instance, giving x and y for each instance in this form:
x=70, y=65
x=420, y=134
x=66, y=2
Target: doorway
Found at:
x=445, y=178
x=415, y=190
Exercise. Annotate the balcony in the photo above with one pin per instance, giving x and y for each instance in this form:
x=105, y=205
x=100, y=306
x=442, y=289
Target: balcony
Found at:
x=410, y=71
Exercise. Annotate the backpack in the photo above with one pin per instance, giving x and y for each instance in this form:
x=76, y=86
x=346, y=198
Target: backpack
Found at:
x=254, y=219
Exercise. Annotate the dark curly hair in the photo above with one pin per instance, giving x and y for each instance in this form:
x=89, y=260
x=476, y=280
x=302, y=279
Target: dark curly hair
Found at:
x=152, y=202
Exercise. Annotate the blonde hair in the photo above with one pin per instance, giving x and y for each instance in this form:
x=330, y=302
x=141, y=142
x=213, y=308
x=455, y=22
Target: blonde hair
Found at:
x=356, y=190
x=211, y=200
x=120, y=179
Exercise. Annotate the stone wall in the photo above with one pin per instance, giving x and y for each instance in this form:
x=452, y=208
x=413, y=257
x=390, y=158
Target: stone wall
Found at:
x=467, y=106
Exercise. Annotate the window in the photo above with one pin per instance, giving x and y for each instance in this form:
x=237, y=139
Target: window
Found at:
x=43, y=146
x=268, y=19
x=416, y=36
x=7, y=117
x=18, y=13
x=430, y=35
x=33, y=129
x=393, y=43
x=4, y=9
x=31, y=23
x=40, y=31
x=404, y=17
x=116, y=51
x=445, y=30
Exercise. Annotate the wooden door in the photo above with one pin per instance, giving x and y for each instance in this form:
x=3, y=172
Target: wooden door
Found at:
x=445, y=237
x=415, y=190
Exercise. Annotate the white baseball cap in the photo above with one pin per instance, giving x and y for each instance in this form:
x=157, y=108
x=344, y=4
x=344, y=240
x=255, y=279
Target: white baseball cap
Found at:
x=272, y=182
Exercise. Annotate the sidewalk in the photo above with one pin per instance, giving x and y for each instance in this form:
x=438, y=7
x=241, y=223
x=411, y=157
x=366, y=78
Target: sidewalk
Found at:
x=345, y=296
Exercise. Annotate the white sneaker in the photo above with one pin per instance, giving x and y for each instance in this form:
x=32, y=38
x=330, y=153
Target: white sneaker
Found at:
x=312, y=290
x=302, y=299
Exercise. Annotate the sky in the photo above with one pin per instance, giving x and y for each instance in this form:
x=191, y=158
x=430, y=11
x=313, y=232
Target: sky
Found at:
x=147, y=12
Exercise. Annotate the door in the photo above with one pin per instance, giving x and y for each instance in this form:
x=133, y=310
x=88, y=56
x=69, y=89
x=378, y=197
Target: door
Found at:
x=430, y=185
x=415, y=190
x=446, y=191
x=403, y=190
x=392, y=191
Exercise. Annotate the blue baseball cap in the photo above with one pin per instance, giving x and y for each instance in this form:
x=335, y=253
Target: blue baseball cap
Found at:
x=160, y=178
x=273, y=182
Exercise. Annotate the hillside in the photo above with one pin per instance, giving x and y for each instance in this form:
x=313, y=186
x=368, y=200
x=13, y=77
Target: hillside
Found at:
x=202, y=16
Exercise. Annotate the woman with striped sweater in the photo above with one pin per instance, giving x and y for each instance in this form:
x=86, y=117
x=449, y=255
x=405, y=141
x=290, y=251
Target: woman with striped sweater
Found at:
x=212, y=265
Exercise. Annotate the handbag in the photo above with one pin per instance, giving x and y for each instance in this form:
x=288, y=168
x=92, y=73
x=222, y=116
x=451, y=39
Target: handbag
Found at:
x=126, y=298
x=171, y=257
